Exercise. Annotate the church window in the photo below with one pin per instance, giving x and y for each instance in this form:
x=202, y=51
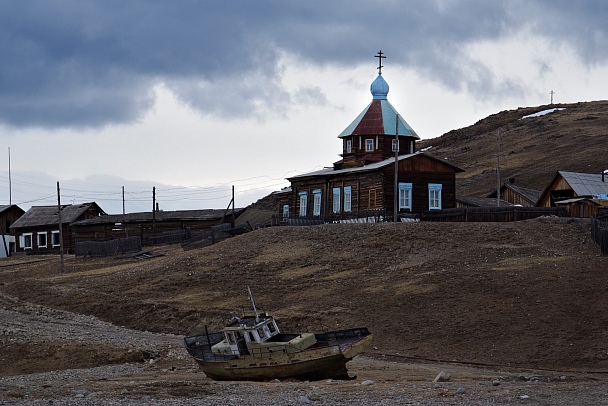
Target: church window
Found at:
x=434, y=196
x=405, y=196
x=317, y=202
x=348, y=197
x=303, y=204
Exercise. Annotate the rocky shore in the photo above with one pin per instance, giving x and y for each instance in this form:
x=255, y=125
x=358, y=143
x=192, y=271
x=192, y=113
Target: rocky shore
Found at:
x=149, y=368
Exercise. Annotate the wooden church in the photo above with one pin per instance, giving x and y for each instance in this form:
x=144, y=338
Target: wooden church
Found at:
x=364, y=182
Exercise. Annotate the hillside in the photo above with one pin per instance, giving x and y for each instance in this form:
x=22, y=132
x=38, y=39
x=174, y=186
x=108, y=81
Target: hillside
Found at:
x=532, y=149
x=527, y=294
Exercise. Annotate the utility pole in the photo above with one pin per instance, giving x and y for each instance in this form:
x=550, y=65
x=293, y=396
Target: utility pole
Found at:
x=396, y=182
x=60, y=229
x=123, y=200
x=10, y=188
x=498, y=172
x=153, y=210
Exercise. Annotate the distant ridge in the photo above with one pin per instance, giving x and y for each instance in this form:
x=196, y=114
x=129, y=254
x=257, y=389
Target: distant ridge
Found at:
x=532, y=149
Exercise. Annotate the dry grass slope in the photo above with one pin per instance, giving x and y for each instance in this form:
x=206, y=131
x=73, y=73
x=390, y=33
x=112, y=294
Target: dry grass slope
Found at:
x=520, y=294
x=532, y=149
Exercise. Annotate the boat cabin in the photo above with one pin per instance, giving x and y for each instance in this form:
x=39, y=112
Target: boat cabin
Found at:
x=244, y=331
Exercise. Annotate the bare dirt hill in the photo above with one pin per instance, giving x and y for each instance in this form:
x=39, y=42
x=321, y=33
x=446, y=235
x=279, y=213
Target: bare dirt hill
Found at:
x=532, y=149
x=527, y=294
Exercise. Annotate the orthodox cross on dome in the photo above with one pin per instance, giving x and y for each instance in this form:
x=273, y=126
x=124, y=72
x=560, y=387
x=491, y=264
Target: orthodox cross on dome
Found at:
x=380, y=57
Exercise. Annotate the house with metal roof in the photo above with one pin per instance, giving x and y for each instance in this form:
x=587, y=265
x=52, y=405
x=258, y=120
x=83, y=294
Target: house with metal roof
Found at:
x=380, y=170
x=582, y=194
x=37, y=230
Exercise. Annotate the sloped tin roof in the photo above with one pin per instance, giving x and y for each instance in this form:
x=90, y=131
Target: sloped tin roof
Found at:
x=48, y=215
x=370, y=167
x=586, y=184
x=379, y=118
x=160, y=216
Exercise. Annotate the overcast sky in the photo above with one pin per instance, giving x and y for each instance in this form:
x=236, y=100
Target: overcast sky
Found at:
x=193, y=97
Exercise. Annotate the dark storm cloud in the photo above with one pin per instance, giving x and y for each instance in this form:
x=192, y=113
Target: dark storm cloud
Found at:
x=89, y=63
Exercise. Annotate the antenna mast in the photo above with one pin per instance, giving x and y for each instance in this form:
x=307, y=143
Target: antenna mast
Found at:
x=498, y=172
x=255, y=310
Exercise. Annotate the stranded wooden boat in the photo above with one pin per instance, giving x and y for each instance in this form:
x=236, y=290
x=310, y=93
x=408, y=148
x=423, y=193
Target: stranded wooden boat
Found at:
x=253, y=348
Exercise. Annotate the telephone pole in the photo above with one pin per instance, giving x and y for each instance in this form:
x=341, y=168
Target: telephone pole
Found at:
x=60, y=229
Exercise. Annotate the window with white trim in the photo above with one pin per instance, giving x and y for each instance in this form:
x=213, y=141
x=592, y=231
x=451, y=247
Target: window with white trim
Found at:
x=303, y=204
x=405, y=196
x=285, y=211
x=395, y=146
x=336, y=200
x=349, y=146
x=369, y=145
x=316, y=210
x=435, y=196
x=348, y=199
x=26, y=241
x=41, y=239
x=55, y=242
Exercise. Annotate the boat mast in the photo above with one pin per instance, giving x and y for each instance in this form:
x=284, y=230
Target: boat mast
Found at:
x=257, y=317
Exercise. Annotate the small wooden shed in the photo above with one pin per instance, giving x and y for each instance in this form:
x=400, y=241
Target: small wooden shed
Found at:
x=579, y=192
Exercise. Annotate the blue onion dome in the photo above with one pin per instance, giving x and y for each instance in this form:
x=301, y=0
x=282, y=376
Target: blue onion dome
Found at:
x=379, y=88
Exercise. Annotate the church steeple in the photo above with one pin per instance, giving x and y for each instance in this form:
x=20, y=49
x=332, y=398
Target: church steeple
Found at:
x=370, y=137
x=379, y=87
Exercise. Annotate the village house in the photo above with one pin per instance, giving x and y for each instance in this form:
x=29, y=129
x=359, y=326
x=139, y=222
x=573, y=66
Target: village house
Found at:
x=364, y=182
x=8, y=215
x=517, y=195
x=37, y=231
x=581, y=194
x=154, y=227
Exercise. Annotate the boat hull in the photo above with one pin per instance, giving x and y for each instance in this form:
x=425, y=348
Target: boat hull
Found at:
x=324, y=360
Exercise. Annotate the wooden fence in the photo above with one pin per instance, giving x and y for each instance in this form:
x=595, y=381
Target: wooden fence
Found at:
x=107, y=248
x=599, y=232
x=491, y=214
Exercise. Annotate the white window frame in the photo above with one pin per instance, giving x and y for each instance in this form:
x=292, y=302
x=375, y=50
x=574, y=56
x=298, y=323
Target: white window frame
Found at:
x=395, y=145
x=349, y=146
x=435, y=196
x=285, y=211
x=38, y=236
x=369, y=145
x=348, y=199
x=23, y=238
x=336, y=199
x=55, y=236
x=316, y=209
x=405, y=196
x=303, y=204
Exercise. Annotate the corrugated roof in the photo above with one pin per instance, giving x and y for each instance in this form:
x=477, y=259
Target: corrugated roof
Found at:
x=48, y=215
x=586, y=184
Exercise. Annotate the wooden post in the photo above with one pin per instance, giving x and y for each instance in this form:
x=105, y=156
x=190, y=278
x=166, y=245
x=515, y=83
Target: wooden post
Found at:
x=396, y=182
x=60, y=229
x=153, y=212
x=498, y=172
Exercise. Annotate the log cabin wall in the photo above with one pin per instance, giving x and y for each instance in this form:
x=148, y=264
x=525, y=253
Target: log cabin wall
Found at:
x=515, y=198
x=373, y=189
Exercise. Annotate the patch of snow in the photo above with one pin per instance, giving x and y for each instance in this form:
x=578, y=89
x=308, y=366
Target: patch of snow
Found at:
x=542, y=113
